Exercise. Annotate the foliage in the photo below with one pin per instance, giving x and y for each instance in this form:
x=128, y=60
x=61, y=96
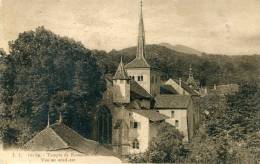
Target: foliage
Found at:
x=166, y=147
x=240, y=118
x=231, y=134
x=212, y=106
x=209, y=69
x=48, y=73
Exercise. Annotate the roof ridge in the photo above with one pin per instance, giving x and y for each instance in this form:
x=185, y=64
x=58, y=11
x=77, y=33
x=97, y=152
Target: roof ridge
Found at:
x=73, y=131
x=135, y=63
x=120, y=72
x=65, y=143
x=135, y=87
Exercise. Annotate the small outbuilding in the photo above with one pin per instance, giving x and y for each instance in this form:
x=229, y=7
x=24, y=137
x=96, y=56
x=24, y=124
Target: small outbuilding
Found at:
x=59, y=137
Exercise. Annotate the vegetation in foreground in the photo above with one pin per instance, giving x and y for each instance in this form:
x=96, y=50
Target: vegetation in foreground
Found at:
x=45, y=73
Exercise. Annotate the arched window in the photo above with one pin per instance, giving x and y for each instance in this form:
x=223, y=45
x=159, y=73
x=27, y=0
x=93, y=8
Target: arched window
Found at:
x=104, y=125
x=135, y=144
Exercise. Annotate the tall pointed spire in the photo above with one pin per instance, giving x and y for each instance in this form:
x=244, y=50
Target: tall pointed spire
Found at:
x=140, y=61
x=141, y=35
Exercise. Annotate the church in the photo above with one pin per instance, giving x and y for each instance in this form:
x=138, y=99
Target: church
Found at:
x=137, y=101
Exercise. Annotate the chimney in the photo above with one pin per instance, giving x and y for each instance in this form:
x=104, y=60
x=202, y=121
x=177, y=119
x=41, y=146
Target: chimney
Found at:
x=48, y=124
x=60, y=119
x=179, y=81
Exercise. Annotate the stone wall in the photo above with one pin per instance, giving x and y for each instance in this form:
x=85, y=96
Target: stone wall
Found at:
x=181, y=116
x=145, y=72
x=121, y=91
x=155, y=82
x=141, y=133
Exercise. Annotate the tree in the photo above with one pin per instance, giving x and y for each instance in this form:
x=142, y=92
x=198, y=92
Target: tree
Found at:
x=241, y=116
x=43, y=72
x=166, y=147
x=230, y=135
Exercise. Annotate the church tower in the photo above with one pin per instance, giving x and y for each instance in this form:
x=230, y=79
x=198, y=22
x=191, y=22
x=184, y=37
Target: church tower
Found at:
x=139, y=69
x=121, y=85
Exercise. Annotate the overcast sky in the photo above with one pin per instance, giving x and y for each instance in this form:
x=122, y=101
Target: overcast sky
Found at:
x=213, y=26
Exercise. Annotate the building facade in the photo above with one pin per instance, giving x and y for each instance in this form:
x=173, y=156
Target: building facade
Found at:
x=134, y=106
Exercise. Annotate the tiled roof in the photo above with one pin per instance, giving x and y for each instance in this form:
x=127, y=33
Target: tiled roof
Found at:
x=167, y=89
x=187, y=88
x=58, y=137
x=167, y=101
x=108, y=77
x=138, y=63
x=120, y=72
x=152, y=115
x=138, y=91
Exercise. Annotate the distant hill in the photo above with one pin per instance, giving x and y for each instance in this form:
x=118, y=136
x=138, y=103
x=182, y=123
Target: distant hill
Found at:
x=181, y=48
x=209, y=69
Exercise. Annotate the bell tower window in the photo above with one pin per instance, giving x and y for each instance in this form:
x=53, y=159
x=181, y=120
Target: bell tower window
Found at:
x=140, y=78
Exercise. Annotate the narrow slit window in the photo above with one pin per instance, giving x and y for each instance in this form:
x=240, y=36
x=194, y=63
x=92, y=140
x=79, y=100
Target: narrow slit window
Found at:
x=172, y=114
x=176, y=123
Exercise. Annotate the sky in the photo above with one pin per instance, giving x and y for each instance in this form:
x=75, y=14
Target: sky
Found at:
x=229, y=27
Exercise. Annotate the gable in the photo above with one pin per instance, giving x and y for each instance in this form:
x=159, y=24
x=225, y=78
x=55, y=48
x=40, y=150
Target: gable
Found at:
x=60, y=137
x=46, y=140
x=137, y=63
x=183, y=88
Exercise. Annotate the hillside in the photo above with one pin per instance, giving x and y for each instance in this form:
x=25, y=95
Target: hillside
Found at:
x=181, y=48
x=208, y=69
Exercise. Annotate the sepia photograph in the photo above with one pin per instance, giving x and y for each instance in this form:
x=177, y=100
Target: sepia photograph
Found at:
x=129, y=81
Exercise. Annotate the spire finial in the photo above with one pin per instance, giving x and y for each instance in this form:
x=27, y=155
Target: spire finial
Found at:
x=60, y=119
x=48, y=124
